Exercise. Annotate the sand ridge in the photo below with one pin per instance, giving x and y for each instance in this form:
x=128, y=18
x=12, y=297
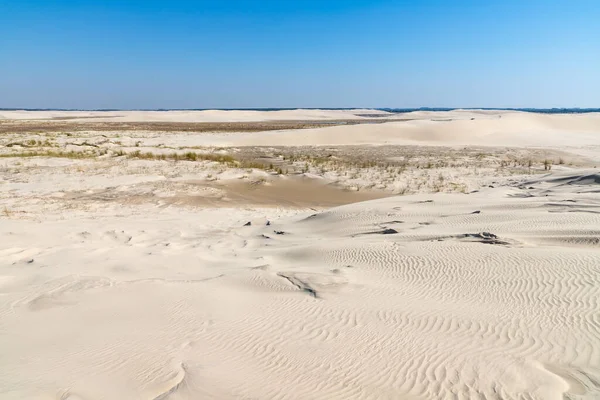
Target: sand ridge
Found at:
x=502, y=129
x=124, y=275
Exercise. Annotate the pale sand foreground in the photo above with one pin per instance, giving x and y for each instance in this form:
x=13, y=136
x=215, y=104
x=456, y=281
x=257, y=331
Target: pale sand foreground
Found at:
x=118, y=283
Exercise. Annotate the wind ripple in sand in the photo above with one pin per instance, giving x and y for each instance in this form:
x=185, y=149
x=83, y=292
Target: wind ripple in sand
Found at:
x=173, y=384
x=387, y=316
x=466, y=321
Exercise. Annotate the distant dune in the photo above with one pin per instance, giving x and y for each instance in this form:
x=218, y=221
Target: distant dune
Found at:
x=190, y=116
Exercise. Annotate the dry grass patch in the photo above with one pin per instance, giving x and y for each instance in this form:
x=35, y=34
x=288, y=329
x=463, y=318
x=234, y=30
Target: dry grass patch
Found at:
x=51, y=153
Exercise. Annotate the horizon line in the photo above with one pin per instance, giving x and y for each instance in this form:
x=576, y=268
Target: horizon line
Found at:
x=389, y=109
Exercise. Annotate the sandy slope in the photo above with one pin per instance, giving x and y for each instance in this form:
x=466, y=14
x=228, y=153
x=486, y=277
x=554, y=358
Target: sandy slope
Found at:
x=116, y=285
x=185, y=305
x=501, y=129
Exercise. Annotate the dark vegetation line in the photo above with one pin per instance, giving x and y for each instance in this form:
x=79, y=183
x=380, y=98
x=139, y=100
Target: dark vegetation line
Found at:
x=565, y=110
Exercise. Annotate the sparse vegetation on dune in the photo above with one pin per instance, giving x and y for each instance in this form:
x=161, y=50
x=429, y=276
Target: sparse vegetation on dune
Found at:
x=64, y=125
x=50, y=153
x=396, y=169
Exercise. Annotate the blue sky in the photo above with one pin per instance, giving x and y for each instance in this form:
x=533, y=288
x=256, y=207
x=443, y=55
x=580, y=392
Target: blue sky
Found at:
x=326, y=53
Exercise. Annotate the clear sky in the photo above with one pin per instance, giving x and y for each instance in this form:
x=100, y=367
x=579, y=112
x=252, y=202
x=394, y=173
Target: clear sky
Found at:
x=292, y=53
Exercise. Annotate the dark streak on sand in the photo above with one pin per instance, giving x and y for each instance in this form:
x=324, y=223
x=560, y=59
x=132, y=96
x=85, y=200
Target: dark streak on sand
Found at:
x=66, y=125
x=300, y=284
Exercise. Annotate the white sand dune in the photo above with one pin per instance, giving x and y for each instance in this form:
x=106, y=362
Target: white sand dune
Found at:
x=578, y=132
x=189, y=116
x=500, y=129
x=489, y=295
x=111, y=289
